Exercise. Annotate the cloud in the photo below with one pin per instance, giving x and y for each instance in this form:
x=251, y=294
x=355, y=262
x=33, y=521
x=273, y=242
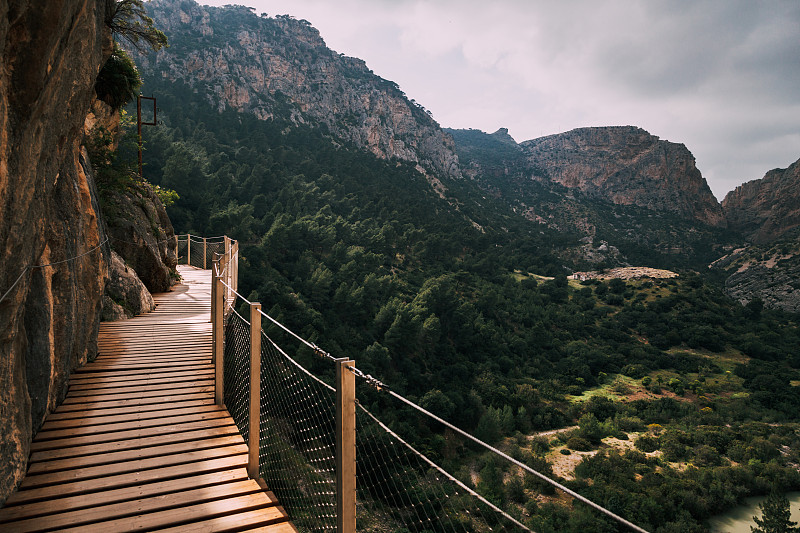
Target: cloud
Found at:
x=721, y=76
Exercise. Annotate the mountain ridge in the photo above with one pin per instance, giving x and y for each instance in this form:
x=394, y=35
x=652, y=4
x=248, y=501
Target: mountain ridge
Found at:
x=283, y=66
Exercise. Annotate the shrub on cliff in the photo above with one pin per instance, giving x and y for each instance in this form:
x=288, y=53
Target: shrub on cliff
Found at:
x=118, y=81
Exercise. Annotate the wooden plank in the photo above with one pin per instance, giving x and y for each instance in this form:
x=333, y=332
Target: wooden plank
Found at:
x=133, y=455
x=251, y=520
x=152, y=504
x=130, y=479
x=131, y=395
x=97, y=371
x=127, y=430
x=78, y=418
x=129, y=440
x=283, y=527
x=124, y=381
x=123, y=386
x=111, y=377
x=131, y=403
x=79, y=474
x=171, y=355
x=119, y=367
x=72, y=503
x=268, y=513
x=100, y=424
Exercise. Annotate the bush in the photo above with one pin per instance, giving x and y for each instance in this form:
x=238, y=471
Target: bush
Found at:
x=579, y=444
x=646, y=443
x=118, y=81
x=636, y=371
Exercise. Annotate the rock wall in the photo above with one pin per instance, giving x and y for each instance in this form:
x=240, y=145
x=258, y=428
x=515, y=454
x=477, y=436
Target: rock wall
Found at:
x=125, y=295
x=142, y=234
x=51, y=53
x=765, y=209
x=628, y=166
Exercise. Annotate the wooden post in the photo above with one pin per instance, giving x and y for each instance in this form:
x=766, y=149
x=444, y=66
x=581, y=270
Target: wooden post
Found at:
x=227, y=242
x=188, y=249
x=235, y=263
x=223, y=266
x=204, y=253
x=255, y=390
x=217, y=335
x=345, y=447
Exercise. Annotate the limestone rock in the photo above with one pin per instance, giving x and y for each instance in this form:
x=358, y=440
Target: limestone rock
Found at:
x=765, y=209
x=626, y=166
x=125, y=295
x=50, y=54
x=770, y=272
x=141, y=232
x=279, y=66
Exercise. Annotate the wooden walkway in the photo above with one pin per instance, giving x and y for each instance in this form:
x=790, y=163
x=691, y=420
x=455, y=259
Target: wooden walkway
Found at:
x=138, y=444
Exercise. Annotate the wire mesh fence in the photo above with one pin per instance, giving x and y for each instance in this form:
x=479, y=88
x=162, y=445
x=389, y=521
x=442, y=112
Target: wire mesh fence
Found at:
x=398, y=488
x=236, y=371
x=297, y=449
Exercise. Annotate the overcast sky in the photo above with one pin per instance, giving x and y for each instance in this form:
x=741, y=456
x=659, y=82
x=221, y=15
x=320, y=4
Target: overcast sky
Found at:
x=722, y=77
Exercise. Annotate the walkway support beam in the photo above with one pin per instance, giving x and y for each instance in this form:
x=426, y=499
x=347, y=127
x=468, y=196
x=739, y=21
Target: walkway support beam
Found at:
x=254, y=436
x=188, y=249
x=345, y=446
x=217, y=334
x=205, y=251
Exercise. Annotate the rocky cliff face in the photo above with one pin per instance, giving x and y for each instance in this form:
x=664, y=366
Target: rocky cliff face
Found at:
x=51, y=53
x=769, y=272
x=764, y=210
x=281, y=67
x=141, y=233
x=626, y=166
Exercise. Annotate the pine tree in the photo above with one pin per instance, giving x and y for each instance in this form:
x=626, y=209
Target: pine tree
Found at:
x=774, y=516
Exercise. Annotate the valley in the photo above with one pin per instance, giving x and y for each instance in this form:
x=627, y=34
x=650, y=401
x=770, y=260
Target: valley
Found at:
x=440, y=261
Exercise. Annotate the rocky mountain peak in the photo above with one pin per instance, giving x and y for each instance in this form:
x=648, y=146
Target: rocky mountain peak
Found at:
x=503, y=136
x=626, y=165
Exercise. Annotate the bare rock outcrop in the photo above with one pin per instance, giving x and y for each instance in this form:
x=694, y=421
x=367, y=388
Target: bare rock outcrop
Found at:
x=125, y=295
x=50, y=54
x=765, y=209
x=142, y=234
x=627, y=166
x=281, y=66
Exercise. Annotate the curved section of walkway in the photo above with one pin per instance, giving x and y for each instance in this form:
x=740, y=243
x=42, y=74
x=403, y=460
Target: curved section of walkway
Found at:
x=138, y=444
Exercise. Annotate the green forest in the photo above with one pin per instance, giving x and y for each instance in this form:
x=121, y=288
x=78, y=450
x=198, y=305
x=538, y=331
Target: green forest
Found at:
x=688, y=398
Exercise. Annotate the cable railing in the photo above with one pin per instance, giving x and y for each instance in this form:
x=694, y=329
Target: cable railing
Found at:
x=331, y=462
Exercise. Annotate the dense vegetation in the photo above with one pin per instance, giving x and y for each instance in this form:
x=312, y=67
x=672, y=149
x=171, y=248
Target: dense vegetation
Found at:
x=465, y=307
x=642, y=236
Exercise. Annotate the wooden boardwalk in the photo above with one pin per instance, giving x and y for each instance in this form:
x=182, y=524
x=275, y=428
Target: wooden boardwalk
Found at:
x=138, y=444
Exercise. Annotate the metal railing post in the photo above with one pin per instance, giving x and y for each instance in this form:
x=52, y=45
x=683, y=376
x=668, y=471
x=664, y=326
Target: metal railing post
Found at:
x=345, y=447
x=188, y=249
x=217, y=305
x=204, y=253
x=255, y=390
